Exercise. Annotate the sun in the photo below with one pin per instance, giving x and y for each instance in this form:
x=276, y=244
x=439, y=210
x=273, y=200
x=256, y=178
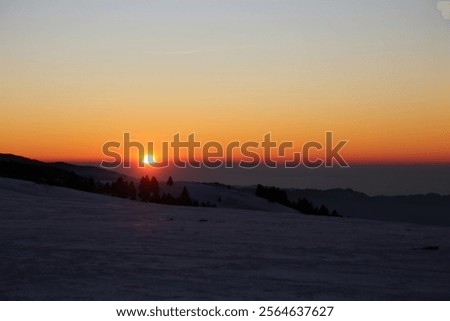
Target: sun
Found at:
x=149, y=159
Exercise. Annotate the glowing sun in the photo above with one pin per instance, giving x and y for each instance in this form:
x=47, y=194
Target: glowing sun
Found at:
x=149, y=159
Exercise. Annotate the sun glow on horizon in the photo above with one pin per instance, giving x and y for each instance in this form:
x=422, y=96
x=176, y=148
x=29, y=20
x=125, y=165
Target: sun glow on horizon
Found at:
x=149, y=159
x=76, y=75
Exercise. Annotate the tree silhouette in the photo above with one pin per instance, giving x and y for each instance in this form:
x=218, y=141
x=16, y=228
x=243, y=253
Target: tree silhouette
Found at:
x=131, y=191
x=168, y=199
x=154, y=186
x=170, y=181
x=144, y=189
x=120, y=188
x=184, y=198
x=324, y=211
x=273, y=194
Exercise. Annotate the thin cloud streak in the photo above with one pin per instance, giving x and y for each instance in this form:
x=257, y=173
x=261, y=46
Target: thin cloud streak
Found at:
x=195, y=51
x=175, y=53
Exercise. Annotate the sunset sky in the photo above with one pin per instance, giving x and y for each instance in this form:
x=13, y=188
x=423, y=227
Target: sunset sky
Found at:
x=75, y=74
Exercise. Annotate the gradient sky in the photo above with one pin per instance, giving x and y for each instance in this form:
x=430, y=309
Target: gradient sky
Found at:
x=75, y=74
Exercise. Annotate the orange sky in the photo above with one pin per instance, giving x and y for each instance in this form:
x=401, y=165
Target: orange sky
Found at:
x=76, y=76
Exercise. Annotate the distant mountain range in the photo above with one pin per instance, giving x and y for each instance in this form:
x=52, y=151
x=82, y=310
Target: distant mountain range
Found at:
x=422, y=209
x=432, y=209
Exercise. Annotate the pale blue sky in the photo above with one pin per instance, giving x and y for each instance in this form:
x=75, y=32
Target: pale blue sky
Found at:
x=32, y=28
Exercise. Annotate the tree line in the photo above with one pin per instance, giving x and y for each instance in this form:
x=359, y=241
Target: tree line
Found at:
x=277, y=195
x=149, y=191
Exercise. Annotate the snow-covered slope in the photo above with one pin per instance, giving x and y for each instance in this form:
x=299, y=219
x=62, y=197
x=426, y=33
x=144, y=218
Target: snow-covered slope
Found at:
x=224, y=196
x=63, y=244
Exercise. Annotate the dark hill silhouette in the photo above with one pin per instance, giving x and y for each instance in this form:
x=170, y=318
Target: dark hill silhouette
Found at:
x=18, y=159
x=98, y=174
x=45, y=174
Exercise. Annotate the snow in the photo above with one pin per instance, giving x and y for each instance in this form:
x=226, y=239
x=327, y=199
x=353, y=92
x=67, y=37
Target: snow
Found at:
x=224, y=197
x=61, y=244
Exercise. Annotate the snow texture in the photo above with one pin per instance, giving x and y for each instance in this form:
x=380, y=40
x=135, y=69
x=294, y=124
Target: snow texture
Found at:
x=61, y=244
